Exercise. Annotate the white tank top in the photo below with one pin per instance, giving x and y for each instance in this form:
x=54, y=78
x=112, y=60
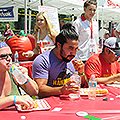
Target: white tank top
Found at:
x=46, y=40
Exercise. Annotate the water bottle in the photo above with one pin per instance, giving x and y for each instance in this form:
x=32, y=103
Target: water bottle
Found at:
x=92, y=87
x=16, y=57
x=75, y=77
x=18, y=75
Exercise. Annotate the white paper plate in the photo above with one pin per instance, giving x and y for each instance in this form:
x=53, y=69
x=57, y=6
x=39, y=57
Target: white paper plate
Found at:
x=42, y=105
x=82, y=113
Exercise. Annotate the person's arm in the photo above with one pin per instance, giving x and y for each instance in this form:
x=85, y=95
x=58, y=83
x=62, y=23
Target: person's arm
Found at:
x=31, y=53
x=107, y=80
x=45, y=90
x=30, y=87
x=110, y=79
x=12, y=33
x=21, y=100
x=116, y=33
x=53, y=35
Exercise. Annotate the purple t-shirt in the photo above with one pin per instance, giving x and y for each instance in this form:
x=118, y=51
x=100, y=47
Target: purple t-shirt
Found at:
x=48, y=66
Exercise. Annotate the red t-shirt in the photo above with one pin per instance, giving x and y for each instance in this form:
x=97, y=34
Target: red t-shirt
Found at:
x=100, y=68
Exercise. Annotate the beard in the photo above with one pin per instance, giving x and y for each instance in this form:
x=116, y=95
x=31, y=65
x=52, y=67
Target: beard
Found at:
x=65, y=58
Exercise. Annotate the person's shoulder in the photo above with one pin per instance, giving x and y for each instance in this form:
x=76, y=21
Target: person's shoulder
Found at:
x=119, y=24
x=42, y=56
x=54, y=32
x=95, y=22
x=93, y=58
x=77, y=20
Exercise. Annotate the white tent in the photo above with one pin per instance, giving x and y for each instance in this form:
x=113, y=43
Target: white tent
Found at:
x=76, y=7
x=69, y=7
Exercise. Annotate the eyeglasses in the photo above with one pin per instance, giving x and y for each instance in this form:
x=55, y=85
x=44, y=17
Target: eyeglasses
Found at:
x=5, y=56
x=114, y=53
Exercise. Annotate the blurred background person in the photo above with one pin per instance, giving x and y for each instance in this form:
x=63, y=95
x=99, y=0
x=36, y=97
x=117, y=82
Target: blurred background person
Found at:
x=106, y=36
x=8, y=32
x=9, y=89
x=45, y=34
x=102, y=32
x=87, y=29
x=62, y=22
x=117, y=31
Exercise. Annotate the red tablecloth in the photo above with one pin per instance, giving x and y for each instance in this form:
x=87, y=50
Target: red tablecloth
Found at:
x=28, y=65
x=105, y=110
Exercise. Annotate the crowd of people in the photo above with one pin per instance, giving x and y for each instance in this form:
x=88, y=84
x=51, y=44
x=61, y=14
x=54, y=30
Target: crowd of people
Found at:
x=70, y=51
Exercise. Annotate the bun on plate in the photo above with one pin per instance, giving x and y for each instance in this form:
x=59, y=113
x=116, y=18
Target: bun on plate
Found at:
x=102, y=91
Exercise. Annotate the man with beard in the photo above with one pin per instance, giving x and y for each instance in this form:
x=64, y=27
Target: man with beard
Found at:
x=53, y=68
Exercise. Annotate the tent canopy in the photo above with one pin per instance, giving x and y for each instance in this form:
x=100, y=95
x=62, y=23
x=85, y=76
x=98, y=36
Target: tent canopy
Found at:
x=69, y=7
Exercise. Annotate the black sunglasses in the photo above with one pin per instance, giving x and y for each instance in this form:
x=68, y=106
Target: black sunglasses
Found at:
x=6, y=55
x=114, y=52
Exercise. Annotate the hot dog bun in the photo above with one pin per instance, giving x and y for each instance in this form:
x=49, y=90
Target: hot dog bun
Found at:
x=102, y=91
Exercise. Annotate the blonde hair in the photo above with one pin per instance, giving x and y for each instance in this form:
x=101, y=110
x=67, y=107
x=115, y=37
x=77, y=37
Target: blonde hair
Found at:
x=49, y=25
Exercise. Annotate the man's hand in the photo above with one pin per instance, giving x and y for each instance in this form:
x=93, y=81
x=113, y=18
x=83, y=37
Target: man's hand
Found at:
x=69, y=87
x=79, y=66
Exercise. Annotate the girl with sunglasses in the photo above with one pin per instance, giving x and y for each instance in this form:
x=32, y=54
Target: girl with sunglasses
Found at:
x=9, y=89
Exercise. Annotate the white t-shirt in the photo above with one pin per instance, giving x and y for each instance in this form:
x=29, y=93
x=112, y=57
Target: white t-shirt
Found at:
x=102, y=33
x=82, y=27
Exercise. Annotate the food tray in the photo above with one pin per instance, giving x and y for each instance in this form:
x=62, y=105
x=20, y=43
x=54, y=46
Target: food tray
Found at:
x=41, y=105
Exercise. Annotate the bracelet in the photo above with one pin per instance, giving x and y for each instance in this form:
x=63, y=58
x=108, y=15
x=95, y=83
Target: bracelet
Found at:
x=81, y=74
x=27, y=81
x=14, y=99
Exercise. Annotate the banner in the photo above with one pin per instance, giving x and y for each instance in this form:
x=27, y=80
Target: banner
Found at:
x=113, y=4
x=53, y=15
x=8, y=14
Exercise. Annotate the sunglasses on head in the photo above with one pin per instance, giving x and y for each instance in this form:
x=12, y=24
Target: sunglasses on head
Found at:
x=6, y=55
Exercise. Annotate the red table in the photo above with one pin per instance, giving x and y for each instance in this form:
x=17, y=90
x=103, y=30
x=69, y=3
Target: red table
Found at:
x=105, y=110
x=28, y=65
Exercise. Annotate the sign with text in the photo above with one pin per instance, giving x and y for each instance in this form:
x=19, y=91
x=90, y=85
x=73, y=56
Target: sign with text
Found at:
x=8, y=13
x=53, y=15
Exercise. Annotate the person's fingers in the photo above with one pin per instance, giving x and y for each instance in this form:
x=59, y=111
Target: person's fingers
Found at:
x=17, y=64
x=80, y=69
x=20, y=100
x=69, y=82
x=31, y=102
x=79, y=66
x=26, y=101
x=74, y=61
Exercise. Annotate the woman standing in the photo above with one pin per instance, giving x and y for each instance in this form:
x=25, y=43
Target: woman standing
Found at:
x=44, y=33
x=87, y=29
x=8, y=32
